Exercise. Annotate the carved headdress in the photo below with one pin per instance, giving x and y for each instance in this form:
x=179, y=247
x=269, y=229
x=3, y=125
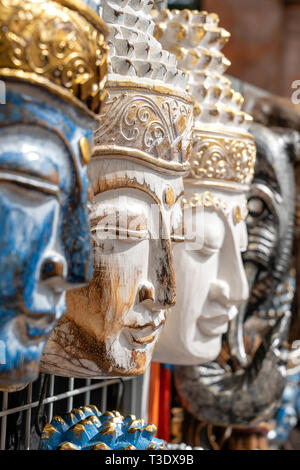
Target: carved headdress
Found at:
x=147, y=114
x=224, y=152
x=58, y=45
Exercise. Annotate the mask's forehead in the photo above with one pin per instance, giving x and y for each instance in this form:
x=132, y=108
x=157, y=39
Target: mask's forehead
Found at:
x=230, y=206
x=231, y=196
x=113, y=173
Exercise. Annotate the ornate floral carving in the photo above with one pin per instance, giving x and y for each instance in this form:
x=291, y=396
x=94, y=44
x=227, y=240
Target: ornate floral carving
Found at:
x=148, y=125
x=207, y=200
x=223, y=158
x=58, y=44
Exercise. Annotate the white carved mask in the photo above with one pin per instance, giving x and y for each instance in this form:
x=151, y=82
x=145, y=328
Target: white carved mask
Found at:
x=112, y=326
x=142, y=147
x=211, y=278
x=211, y=284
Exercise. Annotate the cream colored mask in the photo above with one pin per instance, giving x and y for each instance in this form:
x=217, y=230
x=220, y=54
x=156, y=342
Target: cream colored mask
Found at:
x=212, y=277
x=142, y=148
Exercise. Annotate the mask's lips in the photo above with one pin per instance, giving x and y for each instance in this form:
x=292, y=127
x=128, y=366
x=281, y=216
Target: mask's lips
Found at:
x=143, y=334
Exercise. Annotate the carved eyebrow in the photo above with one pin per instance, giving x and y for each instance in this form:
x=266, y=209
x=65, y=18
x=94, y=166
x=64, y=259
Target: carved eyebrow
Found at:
x=39, y=183
x=32, y=164
x=123, y=219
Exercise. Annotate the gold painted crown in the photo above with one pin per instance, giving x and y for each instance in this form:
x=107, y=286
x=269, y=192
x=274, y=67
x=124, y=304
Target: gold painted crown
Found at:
x=223, y=150
x=147, y=114
x=57, y=44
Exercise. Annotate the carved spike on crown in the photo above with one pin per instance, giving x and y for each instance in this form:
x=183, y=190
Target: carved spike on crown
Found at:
x=147, y=114
x=56, y=44
x=223, y=150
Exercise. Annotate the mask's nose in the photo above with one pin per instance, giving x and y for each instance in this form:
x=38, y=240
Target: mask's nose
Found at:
x=54, y=271
x=231, y=281
x=148, y=298
x=233, y=291
x=162, y=274
x=219, y=290
x=146, y=293
x=158, y=292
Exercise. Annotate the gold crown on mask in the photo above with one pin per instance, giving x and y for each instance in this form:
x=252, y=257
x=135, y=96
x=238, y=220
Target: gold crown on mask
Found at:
x=223, y=152
x=147, y=114
x=56, y=44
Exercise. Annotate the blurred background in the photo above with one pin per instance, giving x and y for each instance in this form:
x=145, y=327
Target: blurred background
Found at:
x=264, y=48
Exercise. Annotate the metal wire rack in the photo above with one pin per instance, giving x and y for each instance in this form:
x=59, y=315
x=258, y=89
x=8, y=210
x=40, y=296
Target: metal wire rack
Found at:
x=24, y=413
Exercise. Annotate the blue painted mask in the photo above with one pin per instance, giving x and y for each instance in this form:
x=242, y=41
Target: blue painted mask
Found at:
x=44, y=227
